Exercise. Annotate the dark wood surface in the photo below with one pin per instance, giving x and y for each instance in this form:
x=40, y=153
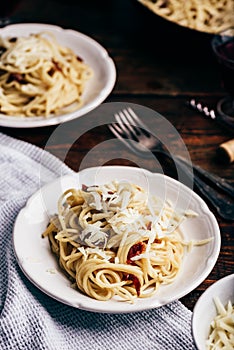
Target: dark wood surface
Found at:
x=159, y=65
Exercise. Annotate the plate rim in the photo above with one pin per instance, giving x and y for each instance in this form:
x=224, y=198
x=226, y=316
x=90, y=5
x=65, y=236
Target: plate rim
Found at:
x=102, y=307
x=5, y=121
x=222, y=281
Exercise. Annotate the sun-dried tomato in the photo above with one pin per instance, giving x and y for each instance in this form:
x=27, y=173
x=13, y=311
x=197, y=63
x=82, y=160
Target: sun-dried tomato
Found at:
x=136, y=249
x=135, y=281
x=16, y=77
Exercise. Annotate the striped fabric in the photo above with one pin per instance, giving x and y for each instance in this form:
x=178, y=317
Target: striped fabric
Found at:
x=31, y=320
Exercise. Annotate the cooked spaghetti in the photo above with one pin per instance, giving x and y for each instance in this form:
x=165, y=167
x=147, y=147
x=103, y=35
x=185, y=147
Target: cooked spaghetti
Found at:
x=115, y=240
x=211, y=16
x=39, y=77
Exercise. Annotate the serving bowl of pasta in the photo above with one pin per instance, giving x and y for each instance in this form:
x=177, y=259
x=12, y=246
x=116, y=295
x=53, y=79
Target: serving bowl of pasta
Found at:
x=116, y=239
x=213, y=316
x=208, y=16
x=50, y=75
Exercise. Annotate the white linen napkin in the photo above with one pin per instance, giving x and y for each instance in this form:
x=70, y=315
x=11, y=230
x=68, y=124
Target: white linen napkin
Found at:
x=29, y=319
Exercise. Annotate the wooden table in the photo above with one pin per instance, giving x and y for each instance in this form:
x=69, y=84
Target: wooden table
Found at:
x=159, y=65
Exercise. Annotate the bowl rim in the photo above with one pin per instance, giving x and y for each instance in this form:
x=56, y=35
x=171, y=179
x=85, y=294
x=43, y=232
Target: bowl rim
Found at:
x=200, y=302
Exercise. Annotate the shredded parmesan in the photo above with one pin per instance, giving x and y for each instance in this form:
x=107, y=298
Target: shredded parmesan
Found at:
x=221, y=335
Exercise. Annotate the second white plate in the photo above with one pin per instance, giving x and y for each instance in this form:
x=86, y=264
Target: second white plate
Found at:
x=97, y=89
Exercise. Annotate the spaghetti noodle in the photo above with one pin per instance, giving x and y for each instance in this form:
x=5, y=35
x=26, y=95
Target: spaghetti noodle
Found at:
x=39, y=77
x=115, y=240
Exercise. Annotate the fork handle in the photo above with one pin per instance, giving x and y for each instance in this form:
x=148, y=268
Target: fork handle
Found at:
x=223, y=205
x=213, y=179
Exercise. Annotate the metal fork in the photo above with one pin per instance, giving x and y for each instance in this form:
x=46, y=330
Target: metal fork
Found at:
x=129, y=127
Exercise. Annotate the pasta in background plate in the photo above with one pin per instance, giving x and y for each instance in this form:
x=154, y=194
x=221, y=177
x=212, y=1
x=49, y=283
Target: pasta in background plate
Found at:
x=211, y=16
x=39, y=77
x=115, y=240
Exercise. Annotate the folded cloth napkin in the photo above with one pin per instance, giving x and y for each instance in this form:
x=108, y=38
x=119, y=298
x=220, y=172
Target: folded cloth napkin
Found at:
x=29, y=319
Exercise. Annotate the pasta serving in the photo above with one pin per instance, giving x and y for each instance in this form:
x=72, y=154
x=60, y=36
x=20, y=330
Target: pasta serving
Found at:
x=222, y=327
x=115, y=240
x=39, y=77
x=211, y=16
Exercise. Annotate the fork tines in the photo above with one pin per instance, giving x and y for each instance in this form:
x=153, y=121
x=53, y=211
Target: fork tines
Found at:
x=128, y=117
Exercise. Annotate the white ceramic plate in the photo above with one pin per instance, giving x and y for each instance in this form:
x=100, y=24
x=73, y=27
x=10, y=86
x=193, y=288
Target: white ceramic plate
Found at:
x=37, y=262
x=97, y=88
x=205, y=311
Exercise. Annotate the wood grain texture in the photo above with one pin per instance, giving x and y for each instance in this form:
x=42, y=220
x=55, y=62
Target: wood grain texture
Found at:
x=159, y=65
